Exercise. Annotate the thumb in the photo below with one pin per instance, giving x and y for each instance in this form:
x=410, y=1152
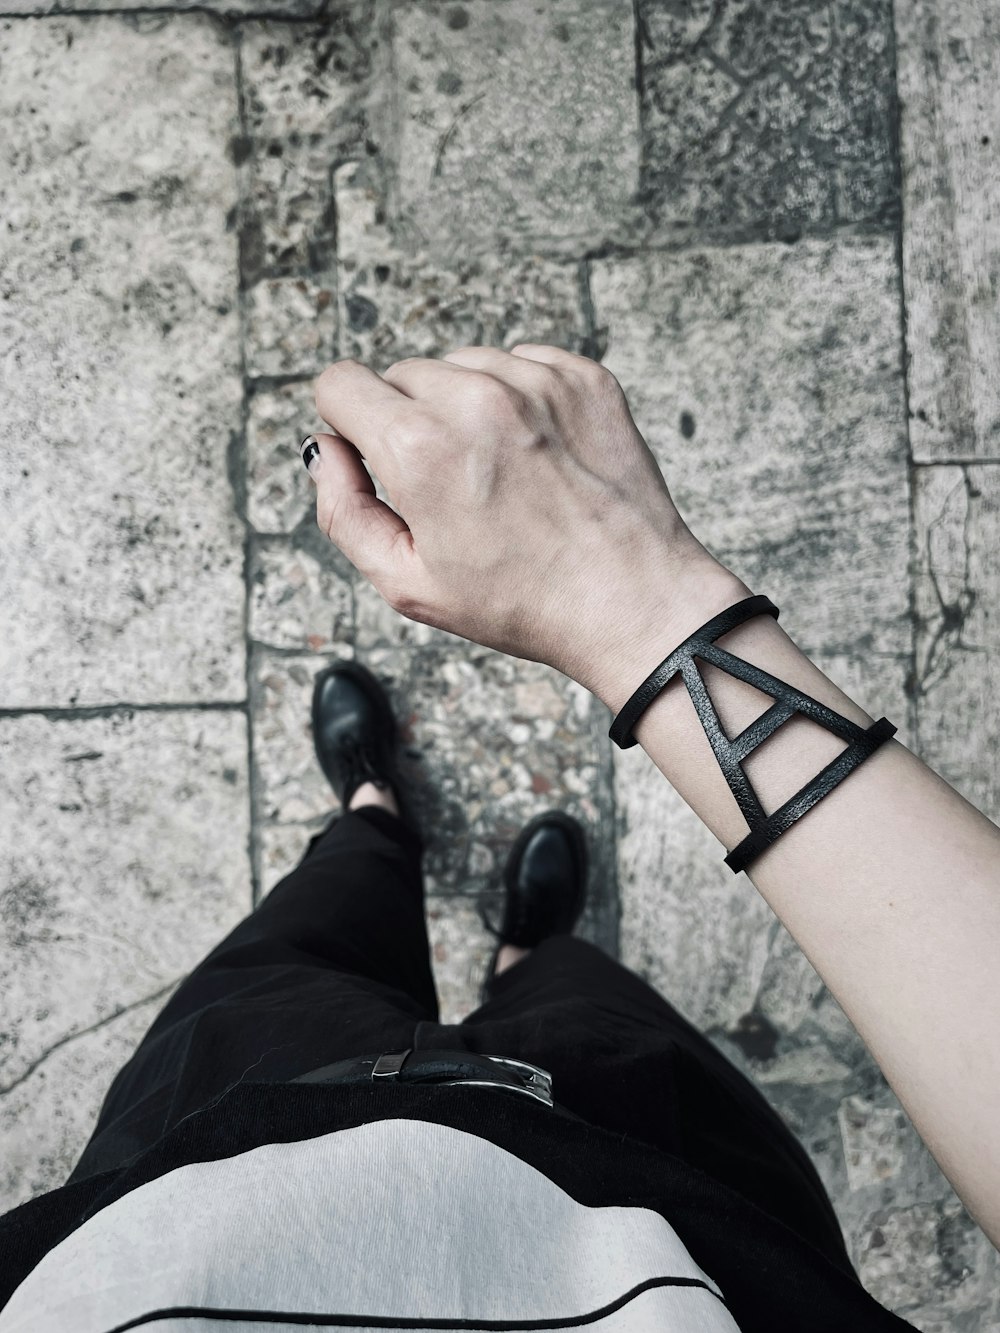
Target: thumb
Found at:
x=372, y=536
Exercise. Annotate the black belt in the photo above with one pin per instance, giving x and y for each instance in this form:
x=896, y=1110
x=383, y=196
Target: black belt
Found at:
x=446, y=1067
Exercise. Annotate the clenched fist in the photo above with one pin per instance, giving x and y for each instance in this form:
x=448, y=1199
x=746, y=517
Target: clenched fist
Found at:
x=528, y=513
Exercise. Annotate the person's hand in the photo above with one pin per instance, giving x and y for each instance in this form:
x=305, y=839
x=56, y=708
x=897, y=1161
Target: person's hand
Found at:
x=527, y=512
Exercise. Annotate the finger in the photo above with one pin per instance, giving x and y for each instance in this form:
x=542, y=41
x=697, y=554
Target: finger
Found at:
x=422, y=377
x=372, y=536
x=514, y=370
x=551, y=356
x=359, y=405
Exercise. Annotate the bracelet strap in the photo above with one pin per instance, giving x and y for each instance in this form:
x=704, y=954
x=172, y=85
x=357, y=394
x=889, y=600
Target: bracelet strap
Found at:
x=731, y=753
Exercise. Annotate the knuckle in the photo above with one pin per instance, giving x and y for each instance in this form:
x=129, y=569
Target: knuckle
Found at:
x=393, y=370
x=489, y=394
x=595, y=373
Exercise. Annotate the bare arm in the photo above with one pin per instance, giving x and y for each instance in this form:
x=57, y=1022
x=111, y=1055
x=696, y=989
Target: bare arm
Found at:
x=529, y=515
x=890, y=885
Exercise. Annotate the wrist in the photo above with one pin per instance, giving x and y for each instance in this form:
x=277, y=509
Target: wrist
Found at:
x=646, y=633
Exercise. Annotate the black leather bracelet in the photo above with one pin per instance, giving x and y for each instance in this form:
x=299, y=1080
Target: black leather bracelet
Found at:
x=731, y=752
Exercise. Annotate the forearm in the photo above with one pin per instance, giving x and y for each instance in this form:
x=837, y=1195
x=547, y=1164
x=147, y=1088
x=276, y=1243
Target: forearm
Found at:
x=889, y=885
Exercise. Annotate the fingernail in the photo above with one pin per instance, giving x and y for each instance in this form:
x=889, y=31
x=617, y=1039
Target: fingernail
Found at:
x=309, y=449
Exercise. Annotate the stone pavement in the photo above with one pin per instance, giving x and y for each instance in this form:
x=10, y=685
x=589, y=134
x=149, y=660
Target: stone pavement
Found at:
x=776, y=221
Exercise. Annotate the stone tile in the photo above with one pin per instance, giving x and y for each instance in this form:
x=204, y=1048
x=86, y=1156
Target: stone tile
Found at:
x=304, y=101
x=281, y=8
x=688, y=926
x=930, y=1262
x=804, y=1065
x=298, y=601
x=379, y=626
x=128, y=865
x=397, y=301
x=948, y=63
x=490, y=740
x=957, y=589
x=291, y=786
x=766, y=118
x=472, y=169
x=460, y=953
x=122, y=577
x=290, y=325
x=780, y=425
x=871, y=1136
x=48, y=1115
x=280, y=495
x=280, y=848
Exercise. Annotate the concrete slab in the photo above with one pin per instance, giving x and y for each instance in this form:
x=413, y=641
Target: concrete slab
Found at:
x=291, y=787
x=932, y=1263
x=125, y=861
x=766, y=119
x=957, y=588
x=488, y=742
x=948, y=62
x=767, y=381
x=280, y=495
x=280, y=8
x=397, y=300
x=460, y=953
x=290, y=325
x=60, y=1098
x=304, y=100
x=298, y=601
x=122, y=578
x=464, y=75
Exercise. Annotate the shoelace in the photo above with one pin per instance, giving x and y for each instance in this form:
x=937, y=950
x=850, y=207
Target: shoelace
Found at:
x=360, y=757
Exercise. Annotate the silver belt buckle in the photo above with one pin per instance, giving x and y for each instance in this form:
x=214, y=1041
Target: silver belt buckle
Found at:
x=535, y=1082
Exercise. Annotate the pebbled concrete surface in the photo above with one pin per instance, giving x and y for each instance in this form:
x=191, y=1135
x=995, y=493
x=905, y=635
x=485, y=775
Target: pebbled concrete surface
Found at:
x=776, y=223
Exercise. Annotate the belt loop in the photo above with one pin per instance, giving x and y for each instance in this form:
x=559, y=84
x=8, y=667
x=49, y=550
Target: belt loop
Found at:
x=389, y=1064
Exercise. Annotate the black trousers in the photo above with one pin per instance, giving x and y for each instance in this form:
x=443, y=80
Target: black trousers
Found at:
x=335, y=962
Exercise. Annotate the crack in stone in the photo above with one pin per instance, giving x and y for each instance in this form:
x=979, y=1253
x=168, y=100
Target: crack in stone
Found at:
x=72, y=1036
x=57, y=714
x=439, y=156
x=952, y=615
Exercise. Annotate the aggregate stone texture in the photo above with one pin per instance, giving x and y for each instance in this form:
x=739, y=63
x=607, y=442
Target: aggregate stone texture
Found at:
x=514, y=121
x=299, y=601
x=949, y=86
x=957, y=515
x=396, y=299
x=766, y=117
x=124, y=861
x=290, y=325
x=305, y=89
x=488, y=741
x=279, y=494
x=282, y=9
x=122, y=578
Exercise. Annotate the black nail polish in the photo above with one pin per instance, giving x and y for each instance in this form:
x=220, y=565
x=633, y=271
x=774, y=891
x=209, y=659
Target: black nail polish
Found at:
x=309, y=449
